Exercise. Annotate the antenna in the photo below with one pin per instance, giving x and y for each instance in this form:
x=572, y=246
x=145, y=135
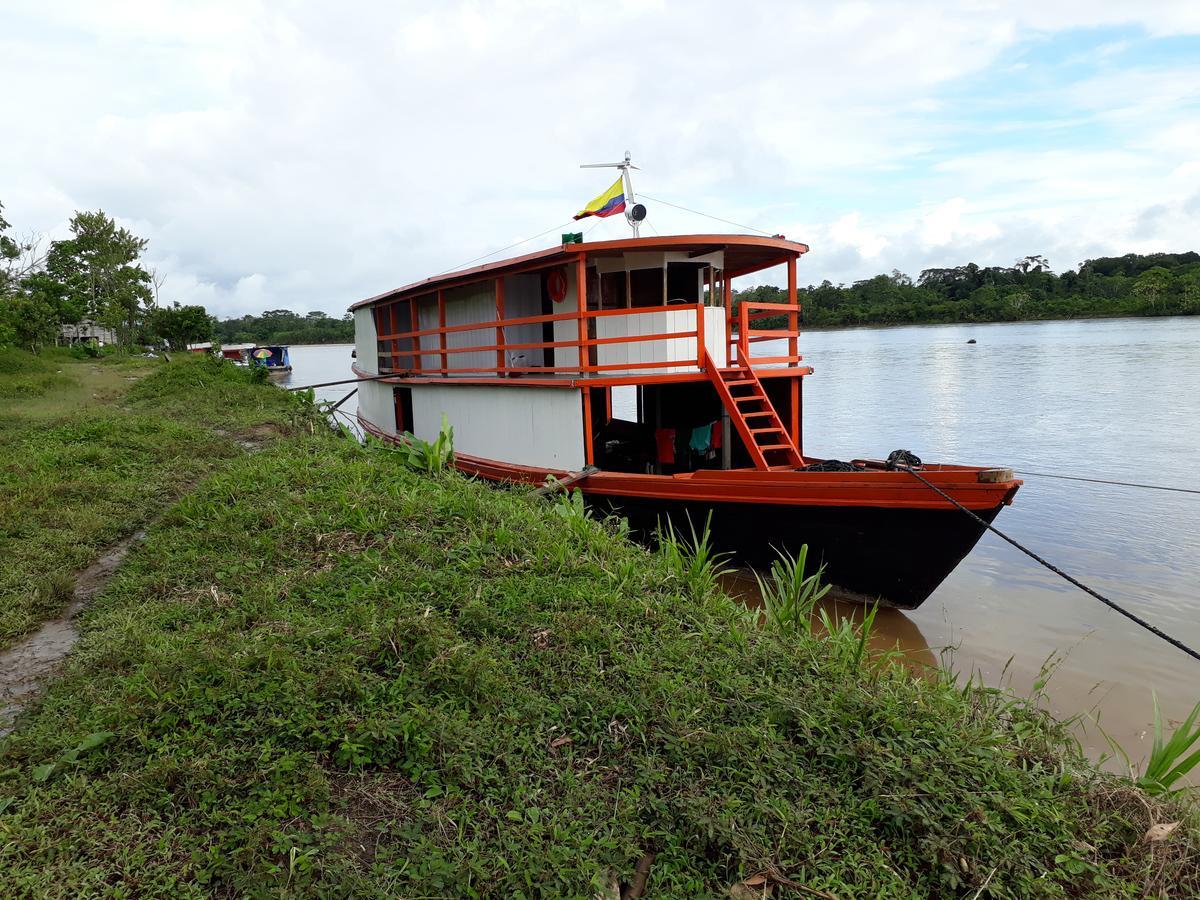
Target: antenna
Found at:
x=635, y=213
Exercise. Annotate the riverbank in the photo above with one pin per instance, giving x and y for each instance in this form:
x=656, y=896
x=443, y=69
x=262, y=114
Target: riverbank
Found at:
x=323, y=673
x=91, y=452
x=1098, y=317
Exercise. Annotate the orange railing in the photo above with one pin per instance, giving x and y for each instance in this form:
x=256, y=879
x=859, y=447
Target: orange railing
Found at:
x=747, y=335
x=417, y=362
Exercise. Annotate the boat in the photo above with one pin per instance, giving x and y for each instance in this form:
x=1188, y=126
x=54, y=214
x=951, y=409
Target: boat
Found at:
x=274, y=358
x=523, y=357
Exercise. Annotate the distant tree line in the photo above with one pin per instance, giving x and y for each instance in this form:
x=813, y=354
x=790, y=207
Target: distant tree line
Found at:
x=1156, y=284
x=95, y=275
x=282, y=326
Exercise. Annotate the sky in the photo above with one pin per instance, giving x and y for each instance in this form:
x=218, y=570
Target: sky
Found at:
x=306, y=155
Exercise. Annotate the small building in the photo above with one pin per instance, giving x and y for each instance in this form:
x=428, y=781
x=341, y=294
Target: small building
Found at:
x=87, y=331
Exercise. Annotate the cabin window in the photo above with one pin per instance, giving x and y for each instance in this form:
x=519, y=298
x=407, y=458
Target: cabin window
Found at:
x=523, y=298
x=684, y=282
x=612, y=290
x=646, y=287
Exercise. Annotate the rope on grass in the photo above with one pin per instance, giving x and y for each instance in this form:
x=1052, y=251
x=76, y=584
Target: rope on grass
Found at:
x=903, y=466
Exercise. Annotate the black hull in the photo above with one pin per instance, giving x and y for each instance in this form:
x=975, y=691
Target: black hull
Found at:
x=895, y=556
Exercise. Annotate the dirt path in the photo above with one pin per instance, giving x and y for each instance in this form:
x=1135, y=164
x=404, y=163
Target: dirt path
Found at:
x=25, y=666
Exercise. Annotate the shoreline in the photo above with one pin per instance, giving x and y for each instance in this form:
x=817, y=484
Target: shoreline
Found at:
x=883, y=325
x=322, y=672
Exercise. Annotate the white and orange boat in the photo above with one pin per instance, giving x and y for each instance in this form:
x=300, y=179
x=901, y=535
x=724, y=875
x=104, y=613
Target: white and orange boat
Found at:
x=523, y=357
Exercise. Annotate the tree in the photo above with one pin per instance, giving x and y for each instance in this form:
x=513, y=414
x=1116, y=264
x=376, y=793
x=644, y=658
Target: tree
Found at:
x=1190, y=286
x=29, y=315
x=31, y=320
x=1036, y=263
x=1152, y=285
x=1017, y=301
x=181, y=325
x=9, y=253
x=100, y=270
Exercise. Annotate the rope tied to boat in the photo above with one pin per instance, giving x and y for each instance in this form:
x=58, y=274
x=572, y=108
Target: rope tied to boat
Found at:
x=899, y=459
x=900, y=465
x=831, y=465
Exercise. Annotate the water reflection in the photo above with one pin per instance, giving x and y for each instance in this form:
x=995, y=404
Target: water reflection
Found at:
x=317, y=363
x=892, y=629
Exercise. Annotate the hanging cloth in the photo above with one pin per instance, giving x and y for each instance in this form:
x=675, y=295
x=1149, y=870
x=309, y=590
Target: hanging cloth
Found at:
x=701, y=438
x=664, y=440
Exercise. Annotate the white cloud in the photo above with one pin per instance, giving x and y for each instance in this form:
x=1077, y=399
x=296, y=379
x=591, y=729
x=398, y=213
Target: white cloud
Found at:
x=301, y=157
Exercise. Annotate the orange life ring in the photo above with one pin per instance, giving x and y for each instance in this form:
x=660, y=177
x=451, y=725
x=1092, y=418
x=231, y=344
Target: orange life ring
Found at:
x=556, y=285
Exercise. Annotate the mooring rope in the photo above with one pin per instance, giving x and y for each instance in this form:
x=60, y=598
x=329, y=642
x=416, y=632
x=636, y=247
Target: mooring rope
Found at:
x=1133, y=484
x=344, y=399
x=1116, y=607
x=356, y=379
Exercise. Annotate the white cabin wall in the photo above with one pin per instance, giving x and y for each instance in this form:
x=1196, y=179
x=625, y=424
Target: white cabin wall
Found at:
x=527, y=426
x=464, y=306
x=714, y=335
x=567, y=330
x=365, y=342
x=376, y=404
x=660, y=321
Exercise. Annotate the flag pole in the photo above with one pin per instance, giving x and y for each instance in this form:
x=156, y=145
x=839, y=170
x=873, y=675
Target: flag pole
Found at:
x=629, y=199
x=627, y=186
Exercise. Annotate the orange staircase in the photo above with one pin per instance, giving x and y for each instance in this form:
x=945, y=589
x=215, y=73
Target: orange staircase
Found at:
x=756, y=421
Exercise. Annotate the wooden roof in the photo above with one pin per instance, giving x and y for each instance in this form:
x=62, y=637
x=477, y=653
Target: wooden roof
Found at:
x=743, y=254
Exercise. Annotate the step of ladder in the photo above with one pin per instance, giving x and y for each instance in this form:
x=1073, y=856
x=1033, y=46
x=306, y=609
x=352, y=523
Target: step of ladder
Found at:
x=725, y=381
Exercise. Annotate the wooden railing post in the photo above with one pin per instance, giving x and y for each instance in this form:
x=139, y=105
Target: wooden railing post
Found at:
x=441, y=301
x=581, y=296
x=744, y=334
x=793, y=318
x=415, y=318
x=727, y=303
x=499, y=327
x=394, y=318
x=700, y=354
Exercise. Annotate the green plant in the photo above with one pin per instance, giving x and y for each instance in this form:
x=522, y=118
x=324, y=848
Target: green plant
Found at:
x=91, y=742
x=789, y=595
x=847, y=641
x=1167, y=763
x=426, y=456
x=569, y=506
x=692, y=558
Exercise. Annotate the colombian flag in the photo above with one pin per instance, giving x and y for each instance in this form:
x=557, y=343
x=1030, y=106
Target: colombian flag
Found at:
x=609, y=203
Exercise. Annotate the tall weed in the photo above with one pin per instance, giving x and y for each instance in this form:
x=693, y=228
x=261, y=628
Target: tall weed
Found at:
x=691, y=557
x=789, y=595
x=1168, y=763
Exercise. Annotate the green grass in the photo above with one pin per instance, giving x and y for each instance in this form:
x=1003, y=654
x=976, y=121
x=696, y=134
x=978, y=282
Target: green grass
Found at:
x=323, y=674
x=91, y=450
x=1174, y=757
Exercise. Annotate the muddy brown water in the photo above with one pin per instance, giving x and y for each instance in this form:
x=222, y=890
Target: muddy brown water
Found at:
x=1117, y=399
x=1114, y=399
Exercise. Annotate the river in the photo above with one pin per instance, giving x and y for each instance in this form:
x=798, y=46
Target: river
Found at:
x=1115, y=399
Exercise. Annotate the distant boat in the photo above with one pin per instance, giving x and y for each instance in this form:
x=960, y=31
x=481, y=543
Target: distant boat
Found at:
x=274, y=358
x=522, y=357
